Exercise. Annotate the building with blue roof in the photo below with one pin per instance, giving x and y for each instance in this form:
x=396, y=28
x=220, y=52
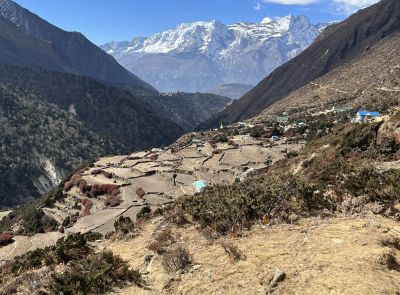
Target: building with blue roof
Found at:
x=366, y=116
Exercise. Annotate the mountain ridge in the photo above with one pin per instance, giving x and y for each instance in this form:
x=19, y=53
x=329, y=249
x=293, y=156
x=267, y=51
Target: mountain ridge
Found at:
x=240, y=53
x=84, y=56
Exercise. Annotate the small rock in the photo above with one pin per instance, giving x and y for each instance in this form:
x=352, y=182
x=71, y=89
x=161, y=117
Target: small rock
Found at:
x=277, y=277
x=148, y=259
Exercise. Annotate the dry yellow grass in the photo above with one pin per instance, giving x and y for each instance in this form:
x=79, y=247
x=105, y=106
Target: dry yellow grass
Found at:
x=332, y=256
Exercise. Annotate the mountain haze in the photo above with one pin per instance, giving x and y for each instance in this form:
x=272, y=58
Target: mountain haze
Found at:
x=234, y=91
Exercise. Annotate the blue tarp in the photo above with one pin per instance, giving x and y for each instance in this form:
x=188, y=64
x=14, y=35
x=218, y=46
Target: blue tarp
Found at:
x=200, y=185
x=366, y=113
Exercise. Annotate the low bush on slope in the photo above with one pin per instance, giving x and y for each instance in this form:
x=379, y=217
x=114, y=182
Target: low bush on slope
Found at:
x=79, y=269
x=226, y=207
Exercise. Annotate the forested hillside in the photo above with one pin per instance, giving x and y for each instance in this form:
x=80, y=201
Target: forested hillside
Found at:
x=40, y=144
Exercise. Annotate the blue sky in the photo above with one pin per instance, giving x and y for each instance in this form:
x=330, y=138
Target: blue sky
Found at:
x=117, y=20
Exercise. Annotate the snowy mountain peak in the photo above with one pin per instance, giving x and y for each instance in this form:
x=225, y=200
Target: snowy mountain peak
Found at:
x=206, y=55
x=266, y=20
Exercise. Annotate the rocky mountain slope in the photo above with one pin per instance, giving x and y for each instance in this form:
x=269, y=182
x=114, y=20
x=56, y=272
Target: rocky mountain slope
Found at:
x=203, y=55
x=338, y=44
x=19, y=49
x=40, y=145
x=107, y=110
x=370, y=81
x=40, y=60
x=78, y=53
x=233, y=91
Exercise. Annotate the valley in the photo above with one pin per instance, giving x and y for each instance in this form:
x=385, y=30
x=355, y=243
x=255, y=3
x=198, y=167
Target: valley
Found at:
x=289, y=187
x=145, y=180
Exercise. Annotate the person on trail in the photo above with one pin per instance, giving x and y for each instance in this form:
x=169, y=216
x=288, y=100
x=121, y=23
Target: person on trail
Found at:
x=174, y=177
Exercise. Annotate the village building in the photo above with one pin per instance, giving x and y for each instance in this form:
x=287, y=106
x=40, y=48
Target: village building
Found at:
x=364, y=116
x=282, y=119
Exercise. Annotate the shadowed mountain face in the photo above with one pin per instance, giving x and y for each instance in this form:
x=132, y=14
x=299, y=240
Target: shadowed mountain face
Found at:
x=79, y=53
x=337, y=45
x=19, y=49
x=40, y=145
x=108, y=110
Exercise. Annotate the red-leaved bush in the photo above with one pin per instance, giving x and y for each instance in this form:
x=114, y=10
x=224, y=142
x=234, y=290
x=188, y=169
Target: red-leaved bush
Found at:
x=112, y=201
x=6, y=238
x=115, y=192
x=102, y=189
x=140, y=193
x=68, y=185
x=101, y=171
x=153, y=157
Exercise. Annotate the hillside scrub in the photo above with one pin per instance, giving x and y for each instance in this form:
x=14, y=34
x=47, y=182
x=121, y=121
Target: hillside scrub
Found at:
x=318, y=181
x=277, y=198
x=82, y=271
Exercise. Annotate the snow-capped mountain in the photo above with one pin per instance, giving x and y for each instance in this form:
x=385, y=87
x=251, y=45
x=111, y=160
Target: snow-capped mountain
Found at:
x=203, y=55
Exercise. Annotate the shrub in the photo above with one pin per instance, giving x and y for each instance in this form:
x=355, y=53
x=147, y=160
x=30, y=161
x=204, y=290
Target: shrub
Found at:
x=161, y=241
x=74, y=247
x=144, y=213
x=108, y=174
x=366, y=181
x=76, y=179
x=124, y=225
x=96, y=172
x=6, y=238
x=96, y=274
x=256, y=131
x=140, y=193
x=68, y=185
x=115, y=192
x=224, y=208
x=357, y=137
x=112, y=201
x=101, y=189
x=88, y=204
x=38, y=222
x=292, y=154
x=220, y=138
x=153, y=157
x=84, y=187
x=233, y=251
x=178, y=259
x=93, y=236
